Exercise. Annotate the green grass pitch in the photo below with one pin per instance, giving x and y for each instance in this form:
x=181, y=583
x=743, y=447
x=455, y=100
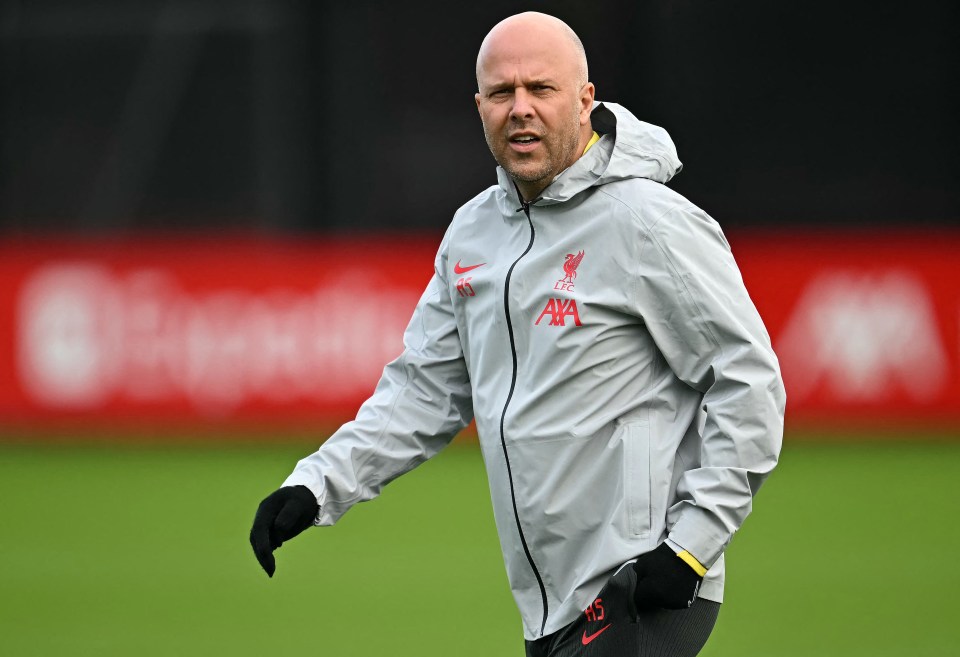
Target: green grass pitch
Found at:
x=142, y=550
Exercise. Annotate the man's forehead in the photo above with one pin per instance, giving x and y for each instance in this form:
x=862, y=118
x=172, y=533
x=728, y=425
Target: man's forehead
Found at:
x=524, y=71
x=527, y=61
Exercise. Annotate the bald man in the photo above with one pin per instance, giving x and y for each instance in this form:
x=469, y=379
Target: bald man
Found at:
x=594, y=323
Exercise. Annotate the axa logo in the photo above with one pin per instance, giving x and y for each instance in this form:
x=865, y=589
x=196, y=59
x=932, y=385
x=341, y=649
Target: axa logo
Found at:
x=570, y=264
x=559, y=310
x=863, y=337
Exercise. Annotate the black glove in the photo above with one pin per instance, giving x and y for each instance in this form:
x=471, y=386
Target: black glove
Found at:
x=281, y=515
x=664, y=580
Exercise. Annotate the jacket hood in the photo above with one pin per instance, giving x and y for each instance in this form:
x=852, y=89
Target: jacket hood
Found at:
x=628, y=148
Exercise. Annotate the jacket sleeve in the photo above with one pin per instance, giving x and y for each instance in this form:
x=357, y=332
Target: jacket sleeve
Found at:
x=712, y=337
x=422, y=400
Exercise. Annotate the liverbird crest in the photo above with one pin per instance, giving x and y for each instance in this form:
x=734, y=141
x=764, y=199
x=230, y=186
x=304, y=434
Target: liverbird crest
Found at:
x=570, y=264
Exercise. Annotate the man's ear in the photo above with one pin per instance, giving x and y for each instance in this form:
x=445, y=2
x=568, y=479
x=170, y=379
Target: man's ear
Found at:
x=476, y=97
x=586, y=102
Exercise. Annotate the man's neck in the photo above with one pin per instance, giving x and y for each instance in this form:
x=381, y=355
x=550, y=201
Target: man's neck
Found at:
x=528, y=191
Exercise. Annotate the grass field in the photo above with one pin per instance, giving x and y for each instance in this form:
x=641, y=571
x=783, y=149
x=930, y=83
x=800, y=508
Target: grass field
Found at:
x=112, y=550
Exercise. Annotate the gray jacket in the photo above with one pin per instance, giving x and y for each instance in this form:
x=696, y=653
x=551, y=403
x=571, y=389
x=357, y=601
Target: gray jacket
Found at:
x=623, y=384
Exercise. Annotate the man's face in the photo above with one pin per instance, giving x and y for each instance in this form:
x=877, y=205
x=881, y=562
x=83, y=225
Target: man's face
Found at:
x=534, y=108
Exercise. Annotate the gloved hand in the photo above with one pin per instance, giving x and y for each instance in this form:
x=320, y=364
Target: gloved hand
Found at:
x=664, y=580
x=282, y=515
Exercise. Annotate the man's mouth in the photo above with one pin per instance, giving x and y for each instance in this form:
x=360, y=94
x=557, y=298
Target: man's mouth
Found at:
x=524, y=143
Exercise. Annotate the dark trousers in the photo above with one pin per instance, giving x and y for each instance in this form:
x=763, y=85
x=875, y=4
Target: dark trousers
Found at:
x=611, y=627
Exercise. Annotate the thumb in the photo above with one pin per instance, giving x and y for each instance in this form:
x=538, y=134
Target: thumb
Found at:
x=260, y=541
x=260, y=533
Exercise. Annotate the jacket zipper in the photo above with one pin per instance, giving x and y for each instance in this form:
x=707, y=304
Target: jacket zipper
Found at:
x=503, y=439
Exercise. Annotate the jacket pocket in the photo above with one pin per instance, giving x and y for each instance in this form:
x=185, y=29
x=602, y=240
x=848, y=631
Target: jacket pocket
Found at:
x=636, y=482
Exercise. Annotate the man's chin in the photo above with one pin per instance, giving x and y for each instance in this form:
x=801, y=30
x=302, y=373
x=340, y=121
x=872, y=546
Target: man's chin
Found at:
x=525, y=175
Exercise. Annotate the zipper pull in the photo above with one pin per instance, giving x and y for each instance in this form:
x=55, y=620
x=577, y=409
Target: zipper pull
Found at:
x=525, y=205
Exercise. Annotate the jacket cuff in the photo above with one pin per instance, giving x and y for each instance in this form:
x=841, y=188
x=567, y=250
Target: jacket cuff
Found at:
x=696, y=533
x=687, y=558
x=295, y=479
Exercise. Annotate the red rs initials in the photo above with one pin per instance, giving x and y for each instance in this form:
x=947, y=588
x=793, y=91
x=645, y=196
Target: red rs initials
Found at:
x=464, y=289
x=595, y=611
x=559, y=310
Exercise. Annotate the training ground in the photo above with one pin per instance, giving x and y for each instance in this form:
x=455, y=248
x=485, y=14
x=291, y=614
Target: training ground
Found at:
x=142, y=550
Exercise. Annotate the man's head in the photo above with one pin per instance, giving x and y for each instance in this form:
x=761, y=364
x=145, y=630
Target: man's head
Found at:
x=534, y=98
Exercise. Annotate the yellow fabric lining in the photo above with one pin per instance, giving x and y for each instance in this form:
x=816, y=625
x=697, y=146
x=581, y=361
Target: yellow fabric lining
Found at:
x=593, y=140
x=692, y=562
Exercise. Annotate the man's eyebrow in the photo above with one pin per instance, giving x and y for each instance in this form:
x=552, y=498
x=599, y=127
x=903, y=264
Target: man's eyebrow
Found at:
x=539, y=82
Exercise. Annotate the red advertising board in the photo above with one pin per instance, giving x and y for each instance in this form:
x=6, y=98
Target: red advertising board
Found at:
x=203, y=332
x=866, y=325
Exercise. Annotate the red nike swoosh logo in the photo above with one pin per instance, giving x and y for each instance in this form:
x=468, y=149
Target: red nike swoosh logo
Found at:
x=587, y=639
x=457, y=269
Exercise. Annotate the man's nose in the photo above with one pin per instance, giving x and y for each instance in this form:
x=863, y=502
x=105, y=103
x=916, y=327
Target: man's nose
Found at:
x=522, y=107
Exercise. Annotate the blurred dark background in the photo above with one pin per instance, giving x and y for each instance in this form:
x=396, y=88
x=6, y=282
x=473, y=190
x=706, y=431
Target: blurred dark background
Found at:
x=293, y=117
